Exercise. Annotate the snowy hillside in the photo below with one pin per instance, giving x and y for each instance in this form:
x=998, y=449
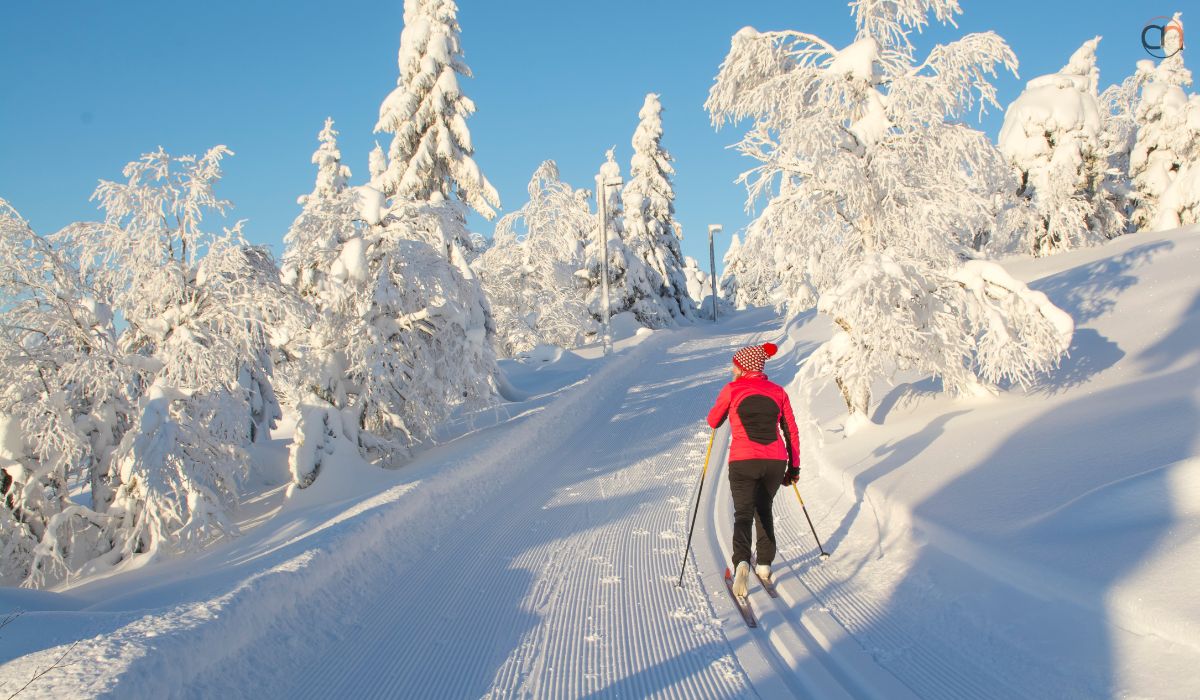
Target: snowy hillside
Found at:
x=1039, y=544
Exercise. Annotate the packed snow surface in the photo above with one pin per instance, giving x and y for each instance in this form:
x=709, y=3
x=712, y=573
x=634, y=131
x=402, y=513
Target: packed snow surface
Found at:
x=1039, y=544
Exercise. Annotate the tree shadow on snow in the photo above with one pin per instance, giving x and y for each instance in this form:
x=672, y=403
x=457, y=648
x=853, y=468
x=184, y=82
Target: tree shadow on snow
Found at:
x=1090, y=291
x=1052, y=523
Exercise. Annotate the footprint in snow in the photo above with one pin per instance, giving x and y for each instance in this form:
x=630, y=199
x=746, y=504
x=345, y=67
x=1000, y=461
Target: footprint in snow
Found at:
x=666, y=535
x=608, y=580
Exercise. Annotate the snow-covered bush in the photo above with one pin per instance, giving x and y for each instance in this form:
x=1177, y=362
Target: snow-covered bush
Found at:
x=1053, y=134
x=874, y=186
x=67, y=399
x=534, y=272
x=699, y=286
x=650, y=228
x=1162, y=164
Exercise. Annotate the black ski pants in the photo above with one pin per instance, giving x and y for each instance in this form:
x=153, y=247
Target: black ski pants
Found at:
x=753, y=483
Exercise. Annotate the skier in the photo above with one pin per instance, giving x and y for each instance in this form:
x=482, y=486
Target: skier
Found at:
x=761, y=457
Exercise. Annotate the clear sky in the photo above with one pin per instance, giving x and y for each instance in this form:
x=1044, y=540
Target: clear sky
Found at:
x=88, y=85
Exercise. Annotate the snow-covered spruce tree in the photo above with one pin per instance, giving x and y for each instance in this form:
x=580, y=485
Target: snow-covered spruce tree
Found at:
x=532, y=273
x=874, y=183
x=751, y=277
x=399, y=342
x=332, y=176
x=397, y=334
x=651, y=231
x=731, y=262
x=699, y=284
x=1053, y=134
x=632, y=286
x=1162, y=165
x=325, y=221
x=1118, y=106
x=430, y=158
x=377, y=166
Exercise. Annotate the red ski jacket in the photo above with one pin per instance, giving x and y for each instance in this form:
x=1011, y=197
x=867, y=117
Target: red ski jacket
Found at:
x=758, y=409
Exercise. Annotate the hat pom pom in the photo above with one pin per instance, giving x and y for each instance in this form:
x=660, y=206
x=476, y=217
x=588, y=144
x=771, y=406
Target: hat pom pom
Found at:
x=770, y=349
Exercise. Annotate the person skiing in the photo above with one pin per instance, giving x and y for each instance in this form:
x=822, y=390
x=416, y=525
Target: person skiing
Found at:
x=764, y=454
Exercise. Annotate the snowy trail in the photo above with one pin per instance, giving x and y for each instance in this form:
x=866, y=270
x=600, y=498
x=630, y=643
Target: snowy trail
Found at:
x=539, y=558
x=565, y=588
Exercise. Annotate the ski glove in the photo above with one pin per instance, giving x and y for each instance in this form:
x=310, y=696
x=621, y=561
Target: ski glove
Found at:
x=790, y=477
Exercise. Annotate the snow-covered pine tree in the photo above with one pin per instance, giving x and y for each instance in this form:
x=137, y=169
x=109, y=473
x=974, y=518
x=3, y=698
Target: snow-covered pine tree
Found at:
x=397, y=334
x=632, y=286
x=332, y=176
x=1162, y=165
x=430, y=159
x=534, y=272
x=1118, y=105
x=1053, y=134
x=430, y=172
x=325, y=221
x=699, y=284
x=731, y=264
x=377, y=166
x=398, y=344
x=874, y=181
x=651, y=231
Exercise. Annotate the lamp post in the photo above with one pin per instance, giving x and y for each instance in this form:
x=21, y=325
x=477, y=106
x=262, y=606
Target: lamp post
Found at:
x=603, y=182
x=713, y=229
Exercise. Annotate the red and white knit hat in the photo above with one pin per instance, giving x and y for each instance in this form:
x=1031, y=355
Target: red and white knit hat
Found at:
x=752, y=357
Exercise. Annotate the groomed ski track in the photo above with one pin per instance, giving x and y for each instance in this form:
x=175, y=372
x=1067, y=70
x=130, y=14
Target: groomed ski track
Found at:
x=537, y=557
x=561, y=583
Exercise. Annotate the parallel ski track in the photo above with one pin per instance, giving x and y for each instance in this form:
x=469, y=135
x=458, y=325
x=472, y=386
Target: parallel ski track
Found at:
x=584, y=553
x=905, y=661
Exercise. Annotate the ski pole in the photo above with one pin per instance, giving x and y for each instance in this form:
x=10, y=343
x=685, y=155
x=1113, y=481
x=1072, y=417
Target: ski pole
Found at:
x=824, y=554
x=696, y=510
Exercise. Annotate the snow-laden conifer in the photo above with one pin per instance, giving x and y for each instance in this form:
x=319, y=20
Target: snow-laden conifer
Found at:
x=325, y=221
x=651, y=231
x=534, y=272
x=872, y=185
x=398, y=343
x=332, y=176
x=731, y=271
x=430, y=158
x=397, y=334
x=632, y=286
x=1054, y=136
x=1162, y=164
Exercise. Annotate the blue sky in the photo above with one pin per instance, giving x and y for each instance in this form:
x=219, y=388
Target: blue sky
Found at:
x=88, y=85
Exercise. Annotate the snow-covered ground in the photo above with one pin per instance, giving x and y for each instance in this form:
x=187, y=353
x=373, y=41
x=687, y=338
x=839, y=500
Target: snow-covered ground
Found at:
x=1039, y=544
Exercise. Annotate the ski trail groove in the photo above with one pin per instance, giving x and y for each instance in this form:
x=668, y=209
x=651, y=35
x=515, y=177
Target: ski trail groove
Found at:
x=573, y=566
